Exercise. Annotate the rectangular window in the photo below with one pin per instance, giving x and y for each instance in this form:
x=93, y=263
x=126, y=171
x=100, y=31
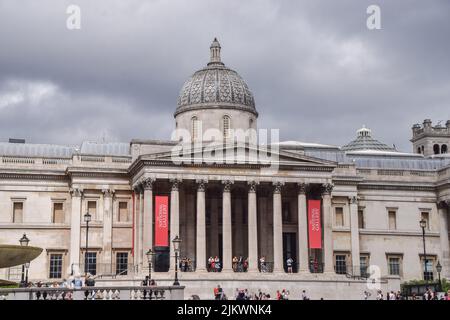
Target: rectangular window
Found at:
x=364, y=265
x=340, y=264
x=361, y=222
x=339, y=214
x=394, y=266
x=92, y=209
x=428, y=268
x=56, y=266
x=426, y=216
x=392, y=220
x=123, y=212
x=91, y=262
x=58, y=213
x=18, y=212
x=121, y=263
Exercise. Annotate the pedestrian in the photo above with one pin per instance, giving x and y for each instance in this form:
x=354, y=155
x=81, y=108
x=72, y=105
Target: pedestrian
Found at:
x=304, y=296
x=289, y=263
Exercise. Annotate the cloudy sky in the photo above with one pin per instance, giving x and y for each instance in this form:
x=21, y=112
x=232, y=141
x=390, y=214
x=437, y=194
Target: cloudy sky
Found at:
x=315, y=69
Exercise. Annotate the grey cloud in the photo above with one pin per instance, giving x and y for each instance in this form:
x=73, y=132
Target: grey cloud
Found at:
x=315, y=69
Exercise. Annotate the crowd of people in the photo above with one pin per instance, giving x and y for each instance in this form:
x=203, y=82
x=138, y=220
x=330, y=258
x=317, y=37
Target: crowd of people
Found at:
x=245, y=294
x=239, y=264
x=214, y=264
x=186, y=265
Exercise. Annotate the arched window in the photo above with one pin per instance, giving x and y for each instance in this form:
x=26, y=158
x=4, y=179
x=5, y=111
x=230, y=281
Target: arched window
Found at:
x=444, y=148
x=250, y=123
x=419, y=150
x=226, y=124
x=194, y=128
x=423, y=150
x=436, y=149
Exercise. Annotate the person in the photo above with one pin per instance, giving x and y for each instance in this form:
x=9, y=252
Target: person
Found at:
x=448, y=294
x=152, y=282
x=289, y=263
x=217, y=264
x=392, y=296
x=366, y=295
x=304, y=296
x=210, y=263
x=278, y=295
x=218, y=292
x=235, y=262
x=379, y=295
x=245, y=264
x=262, y=264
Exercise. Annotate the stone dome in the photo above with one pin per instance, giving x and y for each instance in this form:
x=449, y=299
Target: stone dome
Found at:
x=215, y=87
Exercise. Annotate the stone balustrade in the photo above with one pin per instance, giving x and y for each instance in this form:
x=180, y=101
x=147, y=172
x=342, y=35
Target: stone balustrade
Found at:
x=95, y=293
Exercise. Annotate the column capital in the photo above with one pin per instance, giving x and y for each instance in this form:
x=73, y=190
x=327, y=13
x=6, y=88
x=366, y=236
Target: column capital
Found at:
x=327, y=188
x=227, y=185
x=108, y=193
x=277, y=185
x=147, y=183
x=252, y=185
x=76, y=192
x=201, y=184
x=175, y=184
x=353, y=200
x=301, y=188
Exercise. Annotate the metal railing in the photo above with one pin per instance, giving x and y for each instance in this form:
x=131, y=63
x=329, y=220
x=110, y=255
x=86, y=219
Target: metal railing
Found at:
x=265, y=267
x=95, y=293
x=316, y=267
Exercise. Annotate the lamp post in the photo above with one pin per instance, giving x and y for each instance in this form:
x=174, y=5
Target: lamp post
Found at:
x=439, y=269
x=150, y=254
x=23, y=242
x=176, y=248
x=423, y=225
x=27, y=266
x=87, y=219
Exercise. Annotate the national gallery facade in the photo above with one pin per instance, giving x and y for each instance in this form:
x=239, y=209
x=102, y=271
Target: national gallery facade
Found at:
x=332, y=216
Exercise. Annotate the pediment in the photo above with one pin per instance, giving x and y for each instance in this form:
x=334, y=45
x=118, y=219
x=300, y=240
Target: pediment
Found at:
x=236, y=155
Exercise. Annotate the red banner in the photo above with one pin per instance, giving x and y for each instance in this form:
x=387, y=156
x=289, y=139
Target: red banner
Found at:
x=134, y=222
x=314, y=224
x=161, y=221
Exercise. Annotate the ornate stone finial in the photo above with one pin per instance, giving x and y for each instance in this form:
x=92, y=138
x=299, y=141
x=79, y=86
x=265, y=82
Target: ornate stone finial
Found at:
x=175, y=184
x=327, y=188
x=76, y=192
x=227, y=185
x=277, y=186
x=301, y=188
x=252, y=186
x=201, y=184
x=215, y=53
x=148, y=183
x=107, y=193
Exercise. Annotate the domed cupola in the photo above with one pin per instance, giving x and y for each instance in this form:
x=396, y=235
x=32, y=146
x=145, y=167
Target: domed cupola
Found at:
x=217, y=97
x=364, y=141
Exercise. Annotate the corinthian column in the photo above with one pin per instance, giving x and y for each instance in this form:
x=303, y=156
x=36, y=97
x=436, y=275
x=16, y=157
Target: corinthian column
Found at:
x=354, y=233
x=443, y=207
x=147, y=223
x=252, y=229
x=302, y=228
x=75, y=228
x=108, y=195
x=174, y=218
x=226, y=226
x=277, y=229
x=137, y=227
x=327, y=233
x=201, y=227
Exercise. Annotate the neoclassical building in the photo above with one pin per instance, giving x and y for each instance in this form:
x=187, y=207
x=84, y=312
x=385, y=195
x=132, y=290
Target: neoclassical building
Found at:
x=333, y=210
